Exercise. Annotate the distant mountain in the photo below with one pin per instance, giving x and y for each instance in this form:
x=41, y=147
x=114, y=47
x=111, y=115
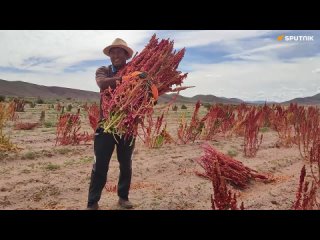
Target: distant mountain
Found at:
x=214, y=99
x=168, y=97
x=24, y=89
x=260, y=102
x=203, y=98
x=313, y=100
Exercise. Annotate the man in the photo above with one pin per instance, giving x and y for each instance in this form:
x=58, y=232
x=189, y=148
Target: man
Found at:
x=104, y=143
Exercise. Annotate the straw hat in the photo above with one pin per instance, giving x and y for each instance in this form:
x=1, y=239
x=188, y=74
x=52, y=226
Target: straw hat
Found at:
x=118, y=42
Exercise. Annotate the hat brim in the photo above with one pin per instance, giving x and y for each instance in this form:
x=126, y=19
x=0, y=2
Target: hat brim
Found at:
x=106, y=50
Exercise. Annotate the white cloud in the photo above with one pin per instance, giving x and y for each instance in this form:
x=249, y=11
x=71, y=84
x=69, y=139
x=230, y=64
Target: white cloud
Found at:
x=65, y=47
x=202, y=38
x=316, y=70
x=262, y=53
x=277, y=80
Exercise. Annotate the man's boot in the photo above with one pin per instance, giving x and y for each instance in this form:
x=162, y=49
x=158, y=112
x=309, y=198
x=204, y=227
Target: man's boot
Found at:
x=125, y=203
x=95, y=206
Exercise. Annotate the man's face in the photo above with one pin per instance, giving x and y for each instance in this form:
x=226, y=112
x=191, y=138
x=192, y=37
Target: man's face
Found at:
x=118, y=56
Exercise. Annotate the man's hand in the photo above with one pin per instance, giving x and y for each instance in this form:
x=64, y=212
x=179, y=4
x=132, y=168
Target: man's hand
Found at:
x=135, y=74
x=143, y=75
x=139, y=74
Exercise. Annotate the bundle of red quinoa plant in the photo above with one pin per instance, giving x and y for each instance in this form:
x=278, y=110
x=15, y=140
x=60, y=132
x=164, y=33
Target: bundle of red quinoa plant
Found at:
x=218, y=119
x=93, y=115
x=283, y=122
x=307, y=130
x=153, y=136
x=306, y=195
x=314, y=161
x=232, y=170
x=241, y=111
x=68, y=130
x=212, y=122
x=222, y=198
x=251, y=130
x=267, y=112
x=133, y=99
x=189, y=132
x=248, y=127
x=228, y=118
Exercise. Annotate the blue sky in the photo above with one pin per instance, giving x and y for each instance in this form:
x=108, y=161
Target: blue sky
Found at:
x=248, y=64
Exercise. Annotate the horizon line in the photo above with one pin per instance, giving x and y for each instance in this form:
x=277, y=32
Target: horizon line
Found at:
x=272, y=101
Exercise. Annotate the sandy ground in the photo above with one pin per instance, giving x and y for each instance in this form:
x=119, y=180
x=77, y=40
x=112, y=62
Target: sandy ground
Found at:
x=45, y=176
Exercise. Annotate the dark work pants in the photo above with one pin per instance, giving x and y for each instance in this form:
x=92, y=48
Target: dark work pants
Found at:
x=104, y=144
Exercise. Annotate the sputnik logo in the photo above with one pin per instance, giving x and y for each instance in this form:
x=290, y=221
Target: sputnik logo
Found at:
x=292, y=38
